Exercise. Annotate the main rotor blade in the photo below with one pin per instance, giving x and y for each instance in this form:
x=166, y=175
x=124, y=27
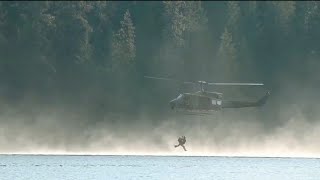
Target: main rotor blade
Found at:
x=168, y=79
x=218, y=84
x=236, y=84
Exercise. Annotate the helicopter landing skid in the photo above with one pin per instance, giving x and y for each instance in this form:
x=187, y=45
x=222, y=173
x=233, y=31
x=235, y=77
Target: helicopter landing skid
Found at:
x=196, y=112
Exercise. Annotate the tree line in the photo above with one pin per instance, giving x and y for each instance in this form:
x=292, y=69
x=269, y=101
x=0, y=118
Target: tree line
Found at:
x=99, y=51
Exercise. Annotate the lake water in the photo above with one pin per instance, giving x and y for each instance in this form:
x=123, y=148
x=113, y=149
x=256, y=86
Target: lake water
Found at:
x=47, y=167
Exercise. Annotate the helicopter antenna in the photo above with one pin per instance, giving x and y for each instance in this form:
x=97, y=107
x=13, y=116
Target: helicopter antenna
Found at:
x=202, y=84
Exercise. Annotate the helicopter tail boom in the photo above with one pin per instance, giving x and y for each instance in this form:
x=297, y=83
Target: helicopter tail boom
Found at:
x=243, y=104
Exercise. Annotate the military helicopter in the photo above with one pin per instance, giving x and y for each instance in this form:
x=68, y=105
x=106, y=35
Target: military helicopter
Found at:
x=203, y=101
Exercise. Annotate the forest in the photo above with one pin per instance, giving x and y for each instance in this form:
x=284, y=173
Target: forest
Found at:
x=95, y=54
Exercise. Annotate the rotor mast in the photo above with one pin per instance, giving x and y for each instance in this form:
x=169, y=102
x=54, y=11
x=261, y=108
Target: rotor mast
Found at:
x=202, y=84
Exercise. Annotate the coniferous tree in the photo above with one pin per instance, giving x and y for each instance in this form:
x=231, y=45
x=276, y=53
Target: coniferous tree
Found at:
x=286, y=11
x=228, y=49
x=99, y=19
x=228, y=54
x=185, y=20
x=73, y=31
x=312, y=25
x=123, y=44
x=184, y=17
x=234, y=15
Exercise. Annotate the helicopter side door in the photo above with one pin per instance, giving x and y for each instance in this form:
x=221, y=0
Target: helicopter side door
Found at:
x=196, y=102
x=204, y=103
x=191, y=102
x=188, y=101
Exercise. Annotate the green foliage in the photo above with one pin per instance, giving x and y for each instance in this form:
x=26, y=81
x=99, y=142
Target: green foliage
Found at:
x=184, y=17
x=72, y=34
x=123, y=43
x=228, y=53
x=234, y=15
x=312, y=16
x=286, y=11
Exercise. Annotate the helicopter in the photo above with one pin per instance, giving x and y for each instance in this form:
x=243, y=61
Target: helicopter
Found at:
x=204, y=101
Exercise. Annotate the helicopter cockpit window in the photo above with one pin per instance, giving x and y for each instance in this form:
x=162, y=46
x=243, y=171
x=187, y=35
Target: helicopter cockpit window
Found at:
x=180, y=97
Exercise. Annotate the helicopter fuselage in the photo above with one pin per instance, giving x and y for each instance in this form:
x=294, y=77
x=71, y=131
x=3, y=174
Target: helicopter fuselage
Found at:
x=189, y=101
x=201, y=101
x=209, y=101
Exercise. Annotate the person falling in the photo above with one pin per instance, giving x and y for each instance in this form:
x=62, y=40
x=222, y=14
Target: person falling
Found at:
x=182, y=141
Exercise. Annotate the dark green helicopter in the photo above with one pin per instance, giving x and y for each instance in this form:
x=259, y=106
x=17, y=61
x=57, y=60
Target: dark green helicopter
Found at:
x=204, y=101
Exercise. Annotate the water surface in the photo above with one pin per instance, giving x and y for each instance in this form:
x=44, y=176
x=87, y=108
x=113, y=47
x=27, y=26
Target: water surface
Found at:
x=48, y=167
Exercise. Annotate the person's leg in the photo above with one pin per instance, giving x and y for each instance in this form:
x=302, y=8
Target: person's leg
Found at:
x=184, y=148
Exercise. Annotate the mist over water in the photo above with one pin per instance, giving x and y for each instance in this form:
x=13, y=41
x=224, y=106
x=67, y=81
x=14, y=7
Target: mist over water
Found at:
x=36, y=129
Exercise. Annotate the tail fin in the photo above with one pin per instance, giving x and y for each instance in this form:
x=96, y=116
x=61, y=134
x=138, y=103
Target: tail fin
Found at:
x=263, y=100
